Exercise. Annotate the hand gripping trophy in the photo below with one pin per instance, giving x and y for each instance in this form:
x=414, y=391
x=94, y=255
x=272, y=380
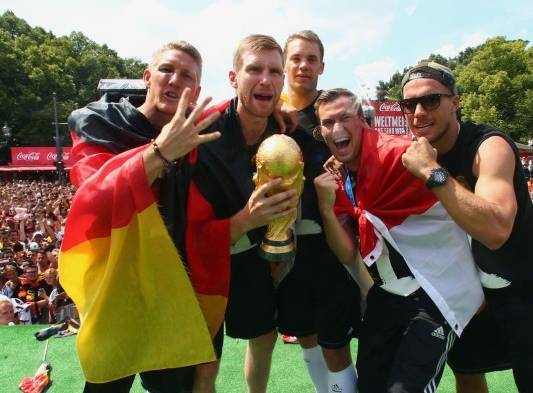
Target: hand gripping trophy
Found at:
x=279, y=156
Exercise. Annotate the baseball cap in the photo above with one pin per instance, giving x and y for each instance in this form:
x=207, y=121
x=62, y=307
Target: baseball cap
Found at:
x=431, y=70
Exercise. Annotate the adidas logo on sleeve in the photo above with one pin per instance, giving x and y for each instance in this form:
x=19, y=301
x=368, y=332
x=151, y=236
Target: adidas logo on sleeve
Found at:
x=439, y=333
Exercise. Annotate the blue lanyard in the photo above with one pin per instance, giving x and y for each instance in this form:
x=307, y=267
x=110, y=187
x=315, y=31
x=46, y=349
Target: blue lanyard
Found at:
x=349, y=186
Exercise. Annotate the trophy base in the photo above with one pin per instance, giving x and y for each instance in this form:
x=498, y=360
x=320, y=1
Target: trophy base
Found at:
x=277, y=250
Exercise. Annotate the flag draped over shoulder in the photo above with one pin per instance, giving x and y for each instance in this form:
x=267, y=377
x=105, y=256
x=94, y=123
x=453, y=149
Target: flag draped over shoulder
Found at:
x=143, y=306
x=395, y=205
x=384, y=188
x=118, y=263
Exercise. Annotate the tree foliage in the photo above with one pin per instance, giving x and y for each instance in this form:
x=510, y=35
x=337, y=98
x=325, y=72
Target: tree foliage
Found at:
x=496, y=86
x=36, y=63
x=495, y=82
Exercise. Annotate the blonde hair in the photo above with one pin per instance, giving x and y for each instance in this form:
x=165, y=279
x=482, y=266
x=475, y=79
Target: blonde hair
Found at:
x=6, y=301
x=306, y=35
x=255, y=43
x=331, y=95
x=183, y=46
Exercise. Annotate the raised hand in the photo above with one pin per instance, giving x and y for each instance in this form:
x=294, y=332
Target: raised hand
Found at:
x=420, y=158
x=286, y=116
x=326, y=186
x=335, y=167
x=181, y=134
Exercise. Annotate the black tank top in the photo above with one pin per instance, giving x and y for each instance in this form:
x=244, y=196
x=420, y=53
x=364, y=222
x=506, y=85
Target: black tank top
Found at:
x=514, y=260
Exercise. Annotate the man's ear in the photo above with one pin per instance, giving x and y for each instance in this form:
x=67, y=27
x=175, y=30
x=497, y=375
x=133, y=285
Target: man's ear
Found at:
x=232, y=75
x=147, y=75
x=196, y=94
x=456, y=100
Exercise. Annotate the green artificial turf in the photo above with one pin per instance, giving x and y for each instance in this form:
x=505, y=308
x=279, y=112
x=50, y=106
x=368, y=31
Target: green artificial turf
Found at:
x=20, y=355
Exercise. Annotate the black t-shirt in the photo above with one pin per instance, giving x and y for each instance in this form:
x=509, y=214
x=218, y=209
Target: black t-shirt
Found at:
x=512, y=261
x=311, y=248
x=225, y=167
x=315, y=154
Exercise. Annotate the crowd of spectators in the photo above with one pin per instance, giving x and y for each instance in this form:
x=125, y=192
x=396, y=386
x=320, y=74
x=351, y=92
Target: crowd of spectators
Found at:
x=32, y=219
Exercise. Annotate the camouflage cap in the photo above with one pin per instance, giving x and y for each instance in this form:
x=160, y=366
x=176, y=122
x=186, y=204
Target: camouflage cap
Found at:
x=431, y=70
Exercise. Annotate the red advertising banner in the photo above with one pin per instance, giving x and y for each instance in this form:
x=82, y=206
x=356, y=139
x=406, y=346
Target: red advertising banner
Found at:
x=37, y=156
x=389, y=118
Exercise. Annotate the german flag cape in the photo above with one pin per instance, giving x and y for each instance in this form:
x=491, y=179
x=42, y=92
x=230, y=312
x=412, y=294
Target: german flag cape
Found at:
x=120, y=265
x=393, y=204
x=384, y=188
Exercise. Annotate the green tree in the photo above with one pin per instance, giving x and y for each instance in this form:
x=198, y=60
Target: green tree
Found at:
x=496, y=84
x=495, y=81
x=36, y=63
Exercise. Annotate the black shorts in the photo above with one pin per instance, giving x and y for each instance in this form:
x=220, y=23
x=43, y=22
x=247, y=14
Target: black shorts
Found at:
x=482, y=347
x=319, y=296
x=500, y=337
x=403, y=343
x=172, y=380
x=251, y=310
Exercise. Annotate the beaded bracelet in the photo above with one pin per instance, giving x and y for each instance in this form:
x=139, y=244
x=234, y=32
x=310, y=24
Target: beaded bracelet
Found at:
x=157, y=152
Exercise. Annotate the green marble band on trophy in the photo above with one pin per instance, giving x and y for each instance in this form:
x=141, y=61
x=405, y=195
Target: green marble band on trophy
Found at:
x=279, y=156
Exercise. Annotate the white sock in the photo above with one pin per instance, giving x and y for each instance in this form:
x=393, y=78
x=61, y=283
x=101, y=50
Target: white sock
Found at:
x=344, y=381
x=316, y=366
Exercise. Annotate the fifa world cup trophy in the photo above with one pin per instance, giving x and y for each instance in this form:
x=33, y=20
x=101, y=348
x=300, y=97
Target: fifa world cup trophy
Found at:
x=279, y=156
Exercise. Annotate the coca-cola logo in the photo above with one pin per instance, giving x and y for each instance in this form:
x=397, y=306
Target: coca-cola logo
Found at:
x=52, y=156
x=390, y=107
x=33, y=156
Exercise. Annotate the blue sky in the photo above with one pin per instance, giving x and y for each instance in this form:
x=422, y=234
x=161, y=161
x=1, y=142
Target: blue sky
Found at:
x=364, y=41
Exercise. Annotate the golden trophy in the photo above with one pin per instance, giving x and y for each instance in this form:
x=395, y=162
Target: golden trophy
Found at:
x=279, y=156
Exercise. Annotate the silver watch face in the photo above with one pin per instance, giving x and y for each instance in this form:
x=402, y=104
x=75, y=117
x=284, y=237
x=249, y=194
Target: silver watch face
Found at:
x=438, y=177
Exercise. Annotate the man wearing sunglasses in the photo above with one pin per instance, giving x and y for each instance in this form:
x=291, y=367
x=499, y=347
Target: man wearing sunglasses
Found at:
x=418, y=303
x=475, y=172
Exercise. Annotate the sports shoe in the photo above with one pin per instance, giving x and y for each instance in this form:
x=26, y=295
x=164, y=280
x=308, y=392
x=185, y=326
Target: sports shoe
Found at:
x=289, y=339
x=48, y=332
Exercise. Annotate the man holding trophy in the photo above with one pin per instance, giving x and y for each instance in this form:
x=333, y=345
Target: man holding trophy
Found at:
x=279, y=156
x=227, y=201
x=255, y=215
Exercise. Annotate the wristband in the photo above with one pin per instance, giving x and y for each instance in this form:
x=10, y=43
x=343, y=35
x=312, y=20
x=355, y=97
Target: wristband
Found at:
x=157, y=152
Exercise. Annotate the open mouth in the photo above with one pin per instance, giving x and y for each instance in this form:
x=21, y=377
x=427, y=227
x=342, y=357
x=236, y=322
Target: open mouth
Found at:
x=171, y=95
x=263, y=97
x=341, y=143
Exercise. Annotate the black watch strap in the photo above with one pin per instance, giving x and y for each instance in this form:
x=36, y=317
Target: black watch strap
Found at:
x=438, y=177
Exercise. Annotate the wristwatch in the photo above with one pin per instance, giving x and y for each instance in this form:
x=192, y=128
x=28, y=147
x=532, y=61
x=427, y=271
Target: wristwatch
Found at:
x=438, y=177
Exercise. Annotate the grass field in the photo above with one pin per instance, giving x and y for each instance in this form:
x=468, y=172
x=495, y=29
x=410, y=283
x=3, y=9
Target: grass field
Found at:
x=20, y=355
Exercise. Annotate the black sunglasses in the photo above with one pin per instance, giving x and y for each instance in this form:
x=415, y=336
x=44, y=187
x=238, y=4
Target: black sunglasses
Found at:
x=429, y=102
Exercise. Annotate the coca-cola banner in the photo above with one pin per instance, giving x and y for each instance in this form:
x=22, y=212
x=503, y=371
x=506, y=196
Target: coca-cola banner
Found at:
x=389, y=118
x=37, y=156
